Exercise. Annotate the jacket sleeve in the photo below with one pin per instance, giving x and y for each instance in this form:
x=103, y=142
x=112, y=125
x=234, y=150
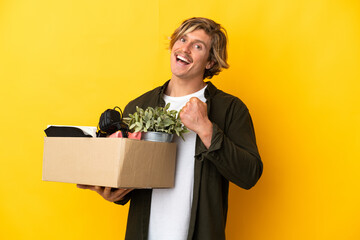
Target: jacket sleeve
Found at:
x=233, y=149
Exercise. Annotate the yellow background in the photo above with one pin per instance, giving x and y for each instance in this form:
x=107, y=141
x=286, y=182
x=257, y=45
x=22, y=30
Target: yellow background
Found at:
x=294, y=63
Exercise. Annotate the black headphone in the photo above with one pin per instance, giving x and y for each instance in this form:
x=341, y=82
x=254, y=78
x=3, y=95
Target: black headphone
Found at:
x=110, y=122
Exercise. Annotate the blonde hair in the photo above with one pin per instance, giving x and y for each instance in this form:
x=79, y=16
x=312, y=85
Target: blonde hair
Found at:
x=218, y=51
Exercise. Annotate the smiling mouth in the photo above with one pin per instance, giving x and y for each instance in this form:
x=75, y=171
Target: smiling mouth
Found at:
x=183, y=60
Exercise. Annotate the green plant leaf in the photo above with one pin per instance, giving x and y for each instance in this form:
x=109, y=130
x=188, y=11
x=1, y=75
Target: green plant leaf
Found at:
x=136, y=117
x=168, y=122
x=159, y=119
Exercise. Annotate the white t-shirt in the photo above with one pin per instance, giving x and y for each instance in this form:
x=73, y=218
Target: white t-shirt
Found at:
x=171, y=208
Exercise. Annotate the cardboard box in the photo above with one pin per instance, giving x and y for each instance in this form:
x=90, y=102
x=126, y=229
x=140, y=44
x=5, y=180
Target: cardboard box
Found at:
x=112, y=162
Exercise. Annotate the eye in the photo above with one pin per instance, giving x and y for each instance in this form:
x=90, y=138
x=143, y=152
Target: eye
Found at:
x=182, y=40
x=197, y=46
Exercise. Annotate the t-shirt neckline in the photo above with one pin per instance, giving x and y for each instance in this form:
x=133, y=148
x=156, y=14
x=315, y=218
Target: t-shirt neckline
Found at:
x=200, y=92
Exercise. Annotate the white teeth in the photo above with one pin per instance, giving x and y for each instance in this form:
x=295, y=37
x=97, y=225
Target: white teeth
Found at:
x=183, y=59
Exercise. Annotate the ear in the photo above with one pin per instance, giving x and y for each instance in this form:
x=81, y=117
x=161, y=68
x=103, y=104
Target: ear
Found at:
x=209, y=64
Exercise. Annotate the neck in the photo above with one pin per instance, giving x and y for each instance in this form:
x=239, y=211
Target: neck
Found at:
x=178, y=87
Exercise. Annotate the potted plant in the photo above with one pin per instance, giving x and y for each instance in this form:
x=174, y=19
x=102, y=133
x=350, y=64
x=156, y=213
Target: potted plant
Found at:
x=156, y=124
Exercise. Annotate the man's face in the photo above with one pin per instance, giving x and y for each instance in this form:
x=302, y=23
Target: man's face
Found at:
x=190, y=54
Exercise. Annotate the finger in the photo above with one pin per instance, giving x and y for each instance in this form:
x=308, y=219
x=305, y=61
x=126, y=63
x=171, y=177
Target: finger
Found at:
x=117, y=194
x=99, y=190
x=194, y=99
x=183, y=116
x=120, y=191
x=185, y=107
x=83, y=186
x=127, y=191
x=107, y=193
x=122, y=195
x=183, y=110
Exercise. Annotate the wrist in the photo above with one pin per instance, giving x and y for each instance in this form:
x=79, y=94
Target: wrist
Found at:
x=205, y=133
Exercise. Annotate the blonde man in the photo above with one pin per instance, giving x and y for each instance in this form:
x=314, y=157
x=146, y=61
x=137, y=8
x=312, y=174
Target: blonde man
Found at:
x=220, y=147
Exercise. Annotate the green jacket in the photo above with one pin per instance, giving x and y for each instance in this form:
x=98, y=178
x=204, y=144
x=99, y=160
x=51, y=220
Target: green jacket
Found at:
x=232, y=156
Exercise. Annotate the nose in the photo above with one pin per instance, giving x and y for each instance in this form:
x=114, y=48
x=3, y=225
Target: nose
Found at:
x=186, y=47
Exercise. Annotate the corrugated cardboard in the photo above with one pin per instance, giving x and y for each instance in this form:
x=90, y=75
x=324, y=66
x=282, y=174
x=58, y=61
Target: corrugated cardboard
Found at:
x=112, y=162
